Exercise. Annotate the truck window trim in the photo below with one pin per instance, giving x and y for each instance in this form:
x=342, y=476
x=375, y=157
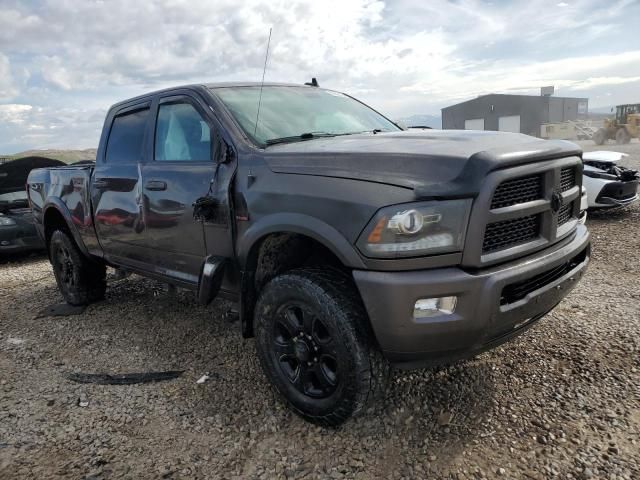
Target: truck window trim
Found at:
x=176, y=98
x=125, y=110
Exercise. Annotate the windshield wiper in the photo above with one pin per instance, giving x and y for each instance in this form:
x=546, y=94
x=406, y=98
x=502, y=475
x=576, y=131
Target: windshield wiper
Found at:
x=312, y=135
x=374, y=131
x=298, y=138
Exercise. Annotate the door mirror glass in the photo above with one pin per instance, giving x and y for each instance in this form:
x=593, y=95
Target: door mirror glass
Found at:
x=182, y=134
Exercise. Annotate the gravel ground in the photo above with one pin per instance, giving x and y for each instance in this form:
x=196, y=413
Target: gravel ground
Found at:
x=563, y=400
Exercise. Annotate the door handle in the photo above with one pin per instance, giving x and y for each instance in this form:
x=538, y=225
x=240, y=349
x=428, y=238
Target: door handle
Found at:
x=155, y=185
x=100, y=183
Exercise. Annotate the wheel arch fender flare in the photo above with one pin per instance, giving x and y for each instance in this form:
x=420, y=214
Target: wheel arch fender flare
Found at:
x=58, y=205
x=301, y=224
x=249, y=244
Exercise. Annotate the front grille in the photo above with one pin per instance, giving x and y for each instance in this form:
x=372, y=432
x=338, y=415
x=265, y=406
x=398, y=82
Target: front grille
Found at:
x=567, y=178
x=517, y=291
x=509, y=233
x=518, y=217
x=564, y=214
x=518, y=190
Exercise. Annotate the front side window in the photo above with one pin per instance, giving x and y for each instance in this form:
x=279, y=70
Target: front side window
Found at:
x=294, y=111
x=182, y=135
x=126, y=139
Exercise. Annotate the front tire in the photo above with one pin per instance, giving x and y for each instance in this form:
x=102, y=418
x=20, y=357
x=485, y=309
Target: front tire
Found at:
x=315, y=345
x=600, y=136
x=79, y=280
x=622, y=136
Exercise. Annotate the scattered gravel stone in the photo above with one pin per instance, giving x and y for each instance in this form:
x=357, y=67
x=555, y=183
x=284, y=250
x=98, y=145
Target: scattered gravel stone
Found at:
x=572, y=380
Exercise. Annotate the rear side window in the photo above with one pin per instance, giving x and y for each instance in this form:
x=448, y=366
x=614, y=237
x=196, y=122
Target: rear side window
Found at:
x=125, y=143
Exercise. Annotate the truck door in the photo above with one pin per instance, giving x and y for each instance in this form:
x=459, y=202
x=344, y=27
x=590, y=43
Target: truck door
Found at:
x=180, y=175
x=116, y=186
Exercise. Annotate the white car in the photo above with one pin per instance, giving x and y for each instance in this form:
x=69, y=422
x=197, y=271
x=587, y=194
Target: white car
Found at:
x=584, y=205
x=608, y=184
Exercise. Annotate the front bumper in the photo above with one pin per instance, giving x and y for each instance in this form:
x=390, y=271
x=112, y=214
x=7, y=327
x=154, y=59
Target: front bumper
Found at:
x=486, y=315
x=617, y=194
x=18, y=238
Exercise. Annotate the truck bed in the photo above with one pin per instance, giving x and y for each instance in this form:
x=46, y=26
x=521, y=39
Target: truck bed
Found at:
x=68, y=188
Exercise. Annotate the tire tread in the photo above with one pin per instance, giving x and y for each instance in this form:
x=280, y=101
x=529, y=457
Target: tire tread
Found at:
x=340, y=289
x=92, y=282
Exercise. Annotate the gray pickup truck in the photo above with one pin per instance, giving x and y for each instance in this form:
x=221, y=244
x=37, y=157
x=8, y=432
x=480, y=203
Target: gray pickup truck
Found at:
x=348, y=243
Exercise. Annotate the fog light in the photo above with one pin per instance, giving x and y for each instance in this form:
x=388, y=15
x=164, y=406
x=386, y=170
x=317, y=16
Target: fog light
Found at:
x=428, y=307
x=5, y=243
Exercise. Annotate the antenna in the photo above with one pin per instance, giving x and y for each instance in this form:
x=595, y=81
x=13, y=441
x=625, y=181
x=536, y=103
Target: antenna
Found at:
x=266, y=57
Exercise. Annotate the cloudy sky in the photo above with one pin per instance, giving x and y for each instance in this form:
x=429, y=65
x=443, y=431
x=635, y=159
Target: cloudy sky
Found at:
x=64, y=62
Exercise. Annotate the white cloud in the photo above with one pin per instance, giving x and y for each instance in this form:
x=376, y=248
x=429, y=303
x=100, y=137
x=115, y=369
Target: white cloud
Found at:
x=592, y=82
x=7, y=87
x=25, y=126
x=56, y=74
x=71, y=59
x=522, y=77
x=14, y=112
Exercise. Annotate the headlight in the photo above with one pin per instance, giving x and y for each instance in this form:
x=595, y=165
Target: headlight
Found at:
x=416, y=229
x=6, y=221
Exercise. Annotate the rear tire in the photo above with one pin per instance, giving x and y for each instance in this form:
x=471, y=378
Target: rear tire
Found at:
x=80, y=280
x=600, y=136
x=316, y=347
x=622, y=136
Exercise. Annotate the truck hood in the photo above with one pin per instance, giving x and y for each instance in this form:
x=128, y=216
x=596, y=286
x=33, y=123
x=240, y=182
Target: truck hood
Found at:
x=434, y=163
x=14, y=173
x=602, y=156
x=13, y=178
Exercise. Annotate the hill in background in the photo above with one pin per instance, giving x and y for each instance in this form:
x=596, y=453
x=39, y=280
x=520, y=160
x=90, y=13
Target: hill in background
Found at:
x=66, y=156
x=433, y=121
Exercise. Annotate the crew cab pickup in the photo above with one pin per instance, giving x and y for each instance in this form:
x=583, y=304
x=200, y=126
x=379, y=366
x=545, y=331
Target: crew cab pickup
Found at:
x=349, y=244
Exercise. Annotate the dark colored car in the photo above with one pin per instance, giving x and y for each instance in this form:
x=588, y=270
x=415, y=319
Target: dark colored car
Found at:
x=17, y=229
x=348, y=244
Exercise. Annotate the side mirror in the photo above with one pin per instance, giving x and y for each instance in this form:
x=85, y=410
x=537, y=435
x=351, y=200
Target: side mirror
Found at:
x=227, y=153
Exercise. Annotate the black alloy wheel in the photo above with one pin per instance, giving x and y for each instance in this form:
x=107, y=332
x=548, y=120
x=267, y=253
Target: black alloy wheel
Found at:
x=63, y=263
x=81, y=280
x=302, y=346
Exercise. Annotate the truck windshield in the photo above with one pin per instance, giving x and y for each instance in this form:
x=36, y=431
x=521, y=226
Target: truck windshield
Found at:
x=289, y=114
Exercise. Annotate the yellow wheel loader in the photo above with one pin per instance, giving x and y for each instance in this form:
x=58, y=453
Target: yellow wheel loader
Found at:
x=623, y=128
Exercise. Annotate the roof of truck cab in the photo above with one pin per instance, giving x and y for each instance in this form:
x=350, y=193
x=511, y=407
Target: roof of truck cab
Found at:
x=255, y=84
x=211, y=86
